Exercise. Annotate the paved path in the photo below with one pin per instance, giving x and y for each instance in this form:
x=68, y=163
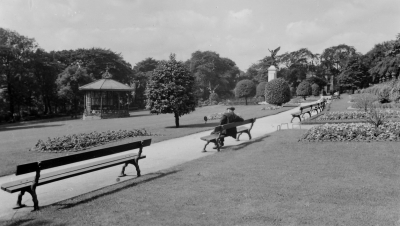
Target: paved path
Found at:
x=160, y=156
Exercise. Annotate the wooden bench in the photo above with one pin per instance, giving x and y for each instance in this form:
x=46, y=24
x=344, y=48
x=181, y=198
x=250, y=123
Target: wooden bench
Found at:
x=335, y=96
x=217, y=135
x=308, y=109
x=29, y=184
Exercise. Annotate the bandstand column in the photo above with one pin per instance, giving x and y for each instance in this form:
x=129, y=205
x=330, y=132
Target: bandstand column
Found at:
x=101, y=104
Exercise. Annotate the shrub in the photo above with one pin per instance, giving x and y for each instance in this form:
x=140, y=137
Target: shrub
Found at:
x=304, y=89
x=277, y=92
x=384, y=94
x=214, y=97
x=260, y=90
x=363, y=101
x=245, y=88
x=375, y=117
x=395, y=92
x=315, y=89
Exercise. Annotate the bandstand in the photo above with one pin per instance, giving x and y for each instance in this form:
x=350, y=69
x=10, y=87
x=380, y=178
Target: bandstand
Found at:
x=106, y=98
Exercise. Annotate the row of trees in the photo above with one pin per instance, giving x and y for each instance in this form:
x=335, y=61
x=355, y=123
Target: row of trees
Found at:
x=31, y=78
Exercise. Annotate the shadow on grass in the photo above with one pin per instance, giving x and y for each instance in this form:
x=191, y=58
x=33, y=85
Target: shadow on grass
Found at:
x=21, y=126
x=139, y=115
x=29, y=222
x=243, y=145
x=200, y=125
x=153, y=176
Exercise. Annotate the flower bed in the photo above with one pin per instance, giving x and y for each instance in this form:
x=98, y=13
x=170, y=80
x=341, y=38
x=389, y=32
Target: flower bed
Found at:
x=272, y=107
x=81, y=141
x=389, y=131
x=355, y=115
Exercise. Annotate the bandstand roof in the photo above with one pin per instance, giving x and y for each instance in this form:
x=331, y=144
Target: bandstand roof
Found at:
x=106, y=84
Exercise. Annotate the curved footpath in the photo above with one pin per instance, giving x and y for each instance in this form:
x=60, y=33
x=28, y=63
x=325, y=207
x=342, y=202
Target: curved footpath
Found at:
x=160, y=156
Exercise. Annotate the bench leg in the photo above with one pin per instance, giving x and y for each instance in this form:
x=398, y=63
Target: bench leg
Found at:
x=237, y=138
x=248, y=133
x=295, y=117
x=32, y=191
x=19, y=200
x=134, y=162
x=217, y=144
x=204, y=149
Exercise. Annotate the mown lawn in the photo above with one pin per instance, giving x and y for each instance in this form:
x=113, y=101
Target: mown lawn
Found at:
x=16, y=139
x=274, y=180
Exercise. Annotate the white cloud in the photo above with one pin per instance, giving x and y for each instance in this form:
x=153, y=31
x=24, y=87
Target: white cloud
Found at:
x=357, y=23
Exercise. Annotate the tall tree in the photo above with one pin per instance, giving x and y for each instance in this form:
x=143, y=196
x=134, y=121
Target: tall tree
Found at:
x=45, y=71
x=334, y=59
x=355, y=75
x=212, y=70
x=69, y=82
x=388, y=65
x=96, y=60
x=142, y=73
x=171, y=89
x=15, y=57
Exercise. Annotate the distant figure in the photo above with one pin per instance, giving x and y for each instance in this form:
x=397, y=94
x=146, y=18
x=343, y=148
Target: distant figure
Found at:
x=228, y=117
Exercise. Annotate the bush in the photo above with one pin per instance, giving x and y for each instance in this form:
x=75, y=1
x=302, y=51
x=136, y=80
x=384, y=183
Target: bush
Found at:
x=304, y=89
x=245, y=88
x=214, y=97
x=384, y=94
x=395, y=92
x=260, y=90
x=277, y=92
x=315, y=89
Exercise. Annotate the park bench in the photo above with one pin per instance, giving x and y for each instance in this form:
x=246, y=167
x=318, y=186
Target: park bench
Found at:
x=217, y=133
x=335, y=96
x=29, y=184
x=308, y=109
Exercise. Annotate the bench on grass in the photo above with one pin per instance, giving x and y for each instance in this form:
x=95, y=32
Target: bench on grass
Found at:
x=308, y=109
x=29, y=184
x=217, y=134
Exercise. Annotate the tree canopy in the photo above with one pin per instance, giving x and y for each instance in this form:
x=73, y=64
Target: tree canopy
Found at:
x=171, y=89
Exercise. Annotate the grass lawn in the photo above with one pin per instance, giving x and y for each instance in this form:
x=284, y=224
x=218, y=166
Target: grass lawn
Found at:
x=16, y=139
x=274, y=180
x=341, y=104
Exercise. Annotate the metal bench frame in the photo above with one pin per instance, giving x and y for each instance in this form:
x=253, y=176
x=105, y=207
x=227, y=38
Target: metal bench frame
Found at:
x=216, y=136
x=29, y=184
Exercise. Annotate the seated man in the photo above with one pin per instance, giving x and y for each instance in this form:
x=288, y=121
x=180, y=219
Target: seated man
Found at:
x=228, y=117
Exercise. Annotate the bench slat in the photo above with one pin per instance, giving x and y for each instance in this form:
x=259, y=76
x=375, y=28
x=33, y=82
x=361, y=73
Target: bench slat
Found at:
x=46, y=178
x=65, y=160
x=210, y=137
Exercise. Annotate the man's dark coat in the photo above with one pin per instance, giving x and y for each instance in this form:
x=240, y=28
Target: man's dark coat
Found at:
x=229, y=118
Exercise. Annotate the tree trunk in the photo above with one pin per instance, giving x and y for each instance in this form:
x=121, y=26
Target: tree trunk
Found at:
x=11, y=97
x=176, y=119
x=246, y=100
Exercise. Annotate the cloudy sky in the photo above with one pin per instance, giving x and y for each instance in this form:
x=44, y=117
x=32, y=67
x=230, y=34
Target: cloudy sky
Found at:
x=242, y=30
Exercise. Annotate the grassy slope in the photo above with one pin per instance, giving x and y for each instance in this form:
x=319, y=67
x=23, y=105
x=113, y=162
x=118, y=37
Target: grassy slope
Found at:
x=271, y=181
x=16, y=139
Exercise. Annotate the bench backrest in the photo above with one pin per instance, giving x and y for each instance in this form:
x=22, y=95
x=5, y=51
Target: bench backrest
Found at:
x=218, y=129
x=60, y=161
x=305, y=107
